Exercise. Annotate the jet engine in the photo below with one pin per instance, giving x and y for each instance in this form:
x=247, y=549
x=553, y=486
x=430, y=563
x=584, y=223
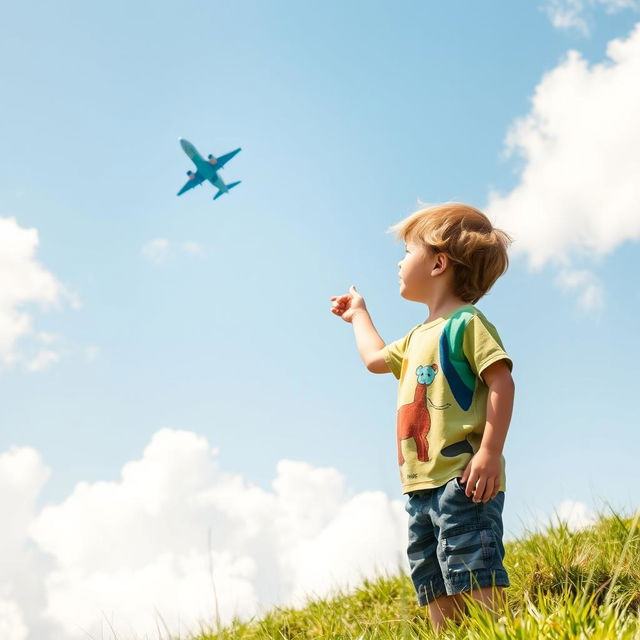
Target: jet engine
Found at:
x=211, y=159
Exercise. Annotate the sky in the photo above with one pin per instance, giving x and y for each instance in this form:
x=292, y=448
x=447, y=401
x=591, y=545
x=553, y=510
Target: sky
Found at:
x=180, y=409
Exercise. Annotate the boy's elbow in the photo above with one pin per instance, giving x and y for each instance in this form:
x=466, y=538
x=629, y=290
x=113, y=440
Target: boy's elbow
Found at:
x=377, y=364
x=374, y=369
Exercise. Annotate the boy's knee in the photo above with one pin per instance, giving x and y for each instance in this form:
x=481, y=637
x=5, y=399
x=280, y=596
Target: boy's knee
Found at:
x=446, y=610
x=494, y=598
x=447, y=607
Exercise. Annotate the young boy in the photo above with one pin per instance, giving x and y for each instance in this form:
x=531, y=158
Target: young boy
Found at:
x=455, y=399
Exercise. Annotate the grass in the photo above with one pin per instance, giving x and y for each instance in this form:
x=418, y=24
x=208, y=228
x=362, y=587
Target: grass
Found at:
x=564, y=585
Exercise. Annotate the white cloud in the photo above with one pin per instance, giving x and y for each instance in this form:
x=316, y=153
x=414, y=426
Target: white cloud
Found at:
x=574, y=514
x=585, y=285
x=42, y=360
x=175, y=526
x=12, y=625
x=574, y=14
x=578, y=194
x=156, y=250
x=193, y=248
x=567, y=14
x=22, y=591
x=23, y=281
x=177, y=538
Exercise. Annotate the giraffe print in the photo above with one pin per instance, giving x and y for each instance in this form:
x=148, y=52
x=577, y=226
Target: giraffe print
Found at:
x=414, y=420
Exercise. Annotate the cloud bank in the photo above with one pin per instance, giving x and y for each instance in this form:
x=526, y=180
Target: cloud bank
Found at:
x=578, y=195
x=178, y=538
x=176, y=541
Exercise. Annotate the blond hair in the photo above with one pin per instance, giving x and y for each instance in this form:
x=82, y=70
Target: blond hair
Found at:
x=477, y=250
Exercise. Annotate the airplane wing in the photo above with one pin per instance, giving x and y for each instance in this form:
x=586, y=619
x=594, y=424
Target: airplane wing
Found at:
x=222, y=160
x=193, y=181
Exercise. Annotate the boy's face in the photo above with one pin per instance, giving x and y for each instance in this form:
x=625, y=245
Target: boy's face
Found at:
x=415, y=271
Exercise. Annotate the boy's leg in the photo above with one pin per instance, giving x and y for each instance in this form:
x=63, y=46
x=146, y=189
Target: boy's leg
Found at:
x=493, y=598
x=444, y=608
x=470, y=549
x=421, y=550
x=454, y=607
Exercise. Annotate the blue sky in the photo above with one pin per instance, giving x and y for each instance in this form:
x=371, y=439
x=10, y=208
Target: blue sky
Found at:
x=347, y=114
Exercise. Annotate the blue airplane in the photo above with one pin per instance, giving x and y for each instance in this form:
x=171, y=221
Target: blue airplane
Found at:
x=206, y=169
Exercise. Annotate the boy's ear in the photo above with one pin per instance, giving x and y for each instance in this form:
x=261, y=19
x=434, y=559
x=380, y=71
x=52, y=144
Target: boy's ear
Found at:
x=441, y=261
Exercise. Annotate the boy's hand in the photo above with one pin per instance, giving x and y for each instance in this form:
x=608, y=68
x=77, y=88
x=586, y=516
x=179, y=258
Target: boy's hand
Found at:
x=345, y=306
x=483, y=475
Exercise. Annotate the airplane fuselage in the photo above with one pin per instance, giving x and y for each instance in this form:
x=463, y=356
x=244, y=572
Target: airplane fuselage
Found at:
x=206, y=168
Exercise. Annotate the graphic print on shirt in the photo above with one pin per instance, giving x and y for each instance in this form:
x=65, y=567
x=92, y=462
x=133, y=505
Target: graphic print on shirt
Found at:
x=455, y=366
x=437, y=363
x=414, y=420
x=458, y=373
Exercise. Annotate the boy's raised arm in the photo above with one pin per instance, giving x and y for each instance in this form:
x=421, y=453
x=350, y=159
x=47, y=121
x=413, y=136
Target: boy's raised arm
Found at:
x=352, y=308
x=369, y=342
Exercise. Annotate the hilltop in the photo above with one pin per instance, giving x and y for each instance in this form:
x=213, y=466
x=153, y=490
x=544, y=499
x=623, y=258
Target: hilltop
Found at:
x=564, y=584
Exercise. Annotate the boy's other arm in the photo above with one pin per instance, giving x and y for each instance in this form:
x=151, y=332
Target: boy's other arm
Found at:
x=482, y=473
x=499, y=406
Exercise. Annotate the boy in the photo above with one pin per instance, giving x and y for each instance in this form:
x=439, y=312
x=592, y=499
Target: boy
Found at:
x=455, y=399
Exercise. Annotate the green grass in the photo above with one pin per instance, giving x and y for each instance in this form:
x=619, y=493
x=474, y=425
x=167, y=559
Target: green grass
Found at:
x=564, y=585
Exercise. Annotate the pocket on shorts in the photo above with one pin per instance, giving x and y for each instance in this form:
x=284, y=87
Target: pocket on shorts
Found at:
x=410, y=505
x=470, y=550
x=462, y=489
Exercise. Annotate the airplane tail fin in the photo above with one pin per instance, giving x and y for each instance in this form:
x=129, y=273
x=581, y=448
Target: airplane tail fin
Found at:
x=229, y=186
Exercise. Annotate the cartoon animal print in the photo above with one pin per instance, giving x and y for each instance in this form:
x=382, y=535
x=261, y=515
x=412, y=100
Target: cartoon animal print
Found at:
x=414, y=420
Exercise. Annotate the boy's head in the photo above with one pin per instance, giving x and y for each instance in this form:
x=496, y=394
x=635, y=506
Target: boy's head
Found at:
x=469, y=252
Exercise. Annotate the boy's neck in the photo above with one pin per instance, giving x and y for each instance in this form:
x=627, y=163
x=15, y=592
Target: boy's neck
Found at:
x=442, y=306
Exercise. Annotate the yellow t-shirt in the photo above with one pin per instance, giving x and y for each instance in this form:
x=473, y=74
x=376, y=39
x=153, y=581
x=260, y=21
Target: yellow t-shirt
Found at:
x=442, y=400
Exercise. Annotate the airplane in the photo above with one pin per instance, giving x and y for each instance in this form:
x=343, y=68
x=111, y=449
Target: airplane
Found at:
x=206, y=169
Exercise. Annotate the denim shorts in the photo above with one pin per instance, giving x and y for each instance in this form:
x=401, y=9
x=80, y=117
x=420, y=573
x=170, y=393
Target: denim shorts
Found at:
x=455, y=544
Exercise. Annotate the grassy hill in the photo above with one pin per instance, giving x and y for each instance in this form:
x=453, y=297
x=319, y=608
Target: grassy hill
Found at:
x=564, y=585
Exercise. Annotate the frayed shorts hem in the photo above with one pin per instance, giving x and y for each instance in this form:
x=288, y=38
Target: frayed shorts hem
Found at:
x=436, y=587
